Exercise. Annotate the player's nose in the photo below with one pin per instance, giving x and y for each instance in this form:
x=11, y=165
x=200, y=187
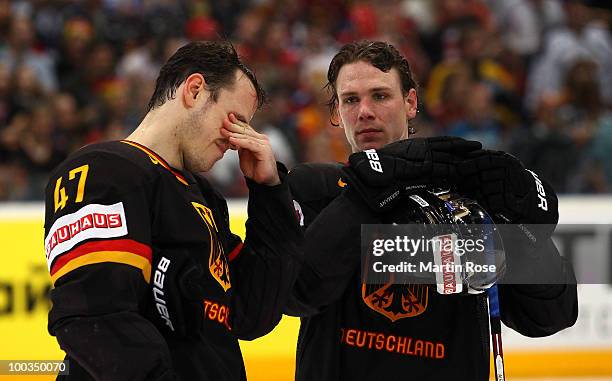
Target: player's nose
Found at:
x=365, y=111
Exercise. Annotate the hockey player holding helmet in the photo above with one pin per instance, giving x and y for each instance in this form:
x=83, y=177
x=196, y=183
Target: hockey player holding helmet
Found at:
x=351, y=330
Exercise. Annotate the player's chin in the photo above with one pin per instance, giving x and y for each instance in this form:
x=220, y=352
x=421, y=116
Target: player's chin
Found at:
x=211, y=163
x=371, y=144
x=205, y=164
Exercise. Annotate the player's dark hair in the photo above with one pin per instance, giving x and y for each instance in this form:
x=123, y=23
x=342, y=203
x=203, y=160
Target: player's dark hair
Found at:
x=379, y=54
x=217, y=61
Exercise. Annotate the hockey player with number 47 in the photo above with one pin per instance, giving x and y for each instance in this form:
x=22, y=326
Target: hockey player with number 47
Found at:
x=149, y=281
x=352, y=330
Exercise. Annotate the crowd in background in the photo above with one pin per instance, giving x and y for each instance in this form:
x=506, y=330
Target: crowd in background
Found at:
x=531, y=77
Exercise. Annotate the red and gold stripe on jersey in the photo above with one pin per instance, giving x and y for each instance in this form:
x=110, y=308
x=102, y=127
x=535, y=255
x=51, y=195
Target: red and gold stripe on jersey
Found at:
x=124, y=251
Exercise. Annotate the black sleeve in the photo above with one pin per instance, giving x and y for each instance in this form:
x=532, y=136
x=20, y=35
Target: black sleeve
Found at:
x=263, y=270
x=332, y=223
x=537, y=310
x=97, y=242
x=332, y=255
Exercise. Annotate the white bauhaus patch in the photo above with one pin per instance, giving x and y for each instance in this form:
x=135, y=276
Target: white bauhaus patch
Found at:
x=91, y=221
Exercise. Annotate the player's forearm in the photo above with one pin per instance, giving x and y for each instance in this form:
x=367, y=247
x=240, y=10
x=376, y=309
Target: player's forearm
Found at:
x=260, y=287
x=331, y=255
x=272, y=227
x=265, y=270
x=118, y=346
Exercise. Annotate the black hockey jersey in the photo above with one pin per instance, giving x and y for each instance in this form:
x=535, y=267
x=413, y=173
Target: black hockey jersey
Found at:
x=117, y=219
x=353, y=331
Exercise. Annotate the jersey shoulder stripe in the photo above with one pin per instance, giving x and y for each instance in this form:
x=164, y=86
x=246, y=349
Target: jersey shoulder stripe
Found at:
x=125, y=251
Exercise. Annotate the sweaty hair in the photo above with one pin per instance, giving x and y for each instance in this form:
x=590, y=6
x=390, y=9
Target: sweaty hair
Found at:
x=379, y=54
x=217, y=61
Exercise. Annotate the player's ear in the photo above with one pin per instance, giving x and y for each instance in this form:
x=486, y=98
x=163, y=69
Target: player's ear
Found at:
x=194, y=88
x=334, y=118
x=411, y=104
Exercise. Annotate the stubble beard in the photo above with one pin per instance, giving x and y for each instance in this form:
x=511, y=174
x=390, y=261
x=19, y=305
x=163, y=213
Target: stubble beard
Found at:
x=195, y=158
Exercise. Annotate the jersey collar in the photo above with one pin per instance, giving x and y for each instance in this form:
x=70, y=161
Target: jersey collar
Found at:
x=158, y=160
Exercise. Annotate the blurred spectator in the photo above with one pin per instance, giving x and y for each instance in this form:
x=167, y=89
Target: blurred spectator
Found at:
x=277, y=122
x=599, y=165
x=77, y=35
x=39, y=152
x=26, y=91
x=52, y=16
x=141, y=63
x=470, y=57
x=20, y=51
x=13, y=183
x=70, y=129
x=447, y=92
x=479, y=121
x=453, y=12
x=522, y=23
x=583, y=37
x=573, y=143
x=321, y=142
x=10, y=136
x=546, y=149
x=5, y=94
x=5, y=20
x=588, y=123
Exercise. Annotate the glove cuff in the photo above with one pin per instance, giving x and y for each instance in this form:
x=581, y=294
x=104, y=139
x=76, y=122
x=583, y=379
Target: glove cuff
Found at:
x=379, y=199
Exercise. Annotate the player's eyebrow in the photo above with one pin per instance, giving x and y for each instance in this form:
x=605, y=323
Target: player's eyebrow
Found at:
x=383, y=88
x=347, y=93
x=373, y=90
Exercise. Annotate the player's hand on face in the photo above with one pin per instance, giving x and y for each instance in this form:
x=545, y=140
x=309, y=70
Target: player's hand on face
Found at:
x=257, y=160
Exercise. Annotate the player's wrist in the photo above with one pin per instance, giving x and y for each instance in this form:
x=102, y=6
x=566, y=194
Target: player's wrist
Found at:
x=271, y=180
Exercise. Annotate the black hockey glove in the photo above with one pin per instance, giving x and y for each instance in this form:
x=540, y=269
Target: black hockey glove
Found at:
x=380, y=177
x=510, y=193
x=176, y=306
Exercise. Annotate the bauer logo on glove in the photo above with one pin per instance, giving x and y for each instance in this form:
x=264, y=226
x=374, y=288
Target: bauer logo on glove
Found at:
x=374, y=160
x=381, y=177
